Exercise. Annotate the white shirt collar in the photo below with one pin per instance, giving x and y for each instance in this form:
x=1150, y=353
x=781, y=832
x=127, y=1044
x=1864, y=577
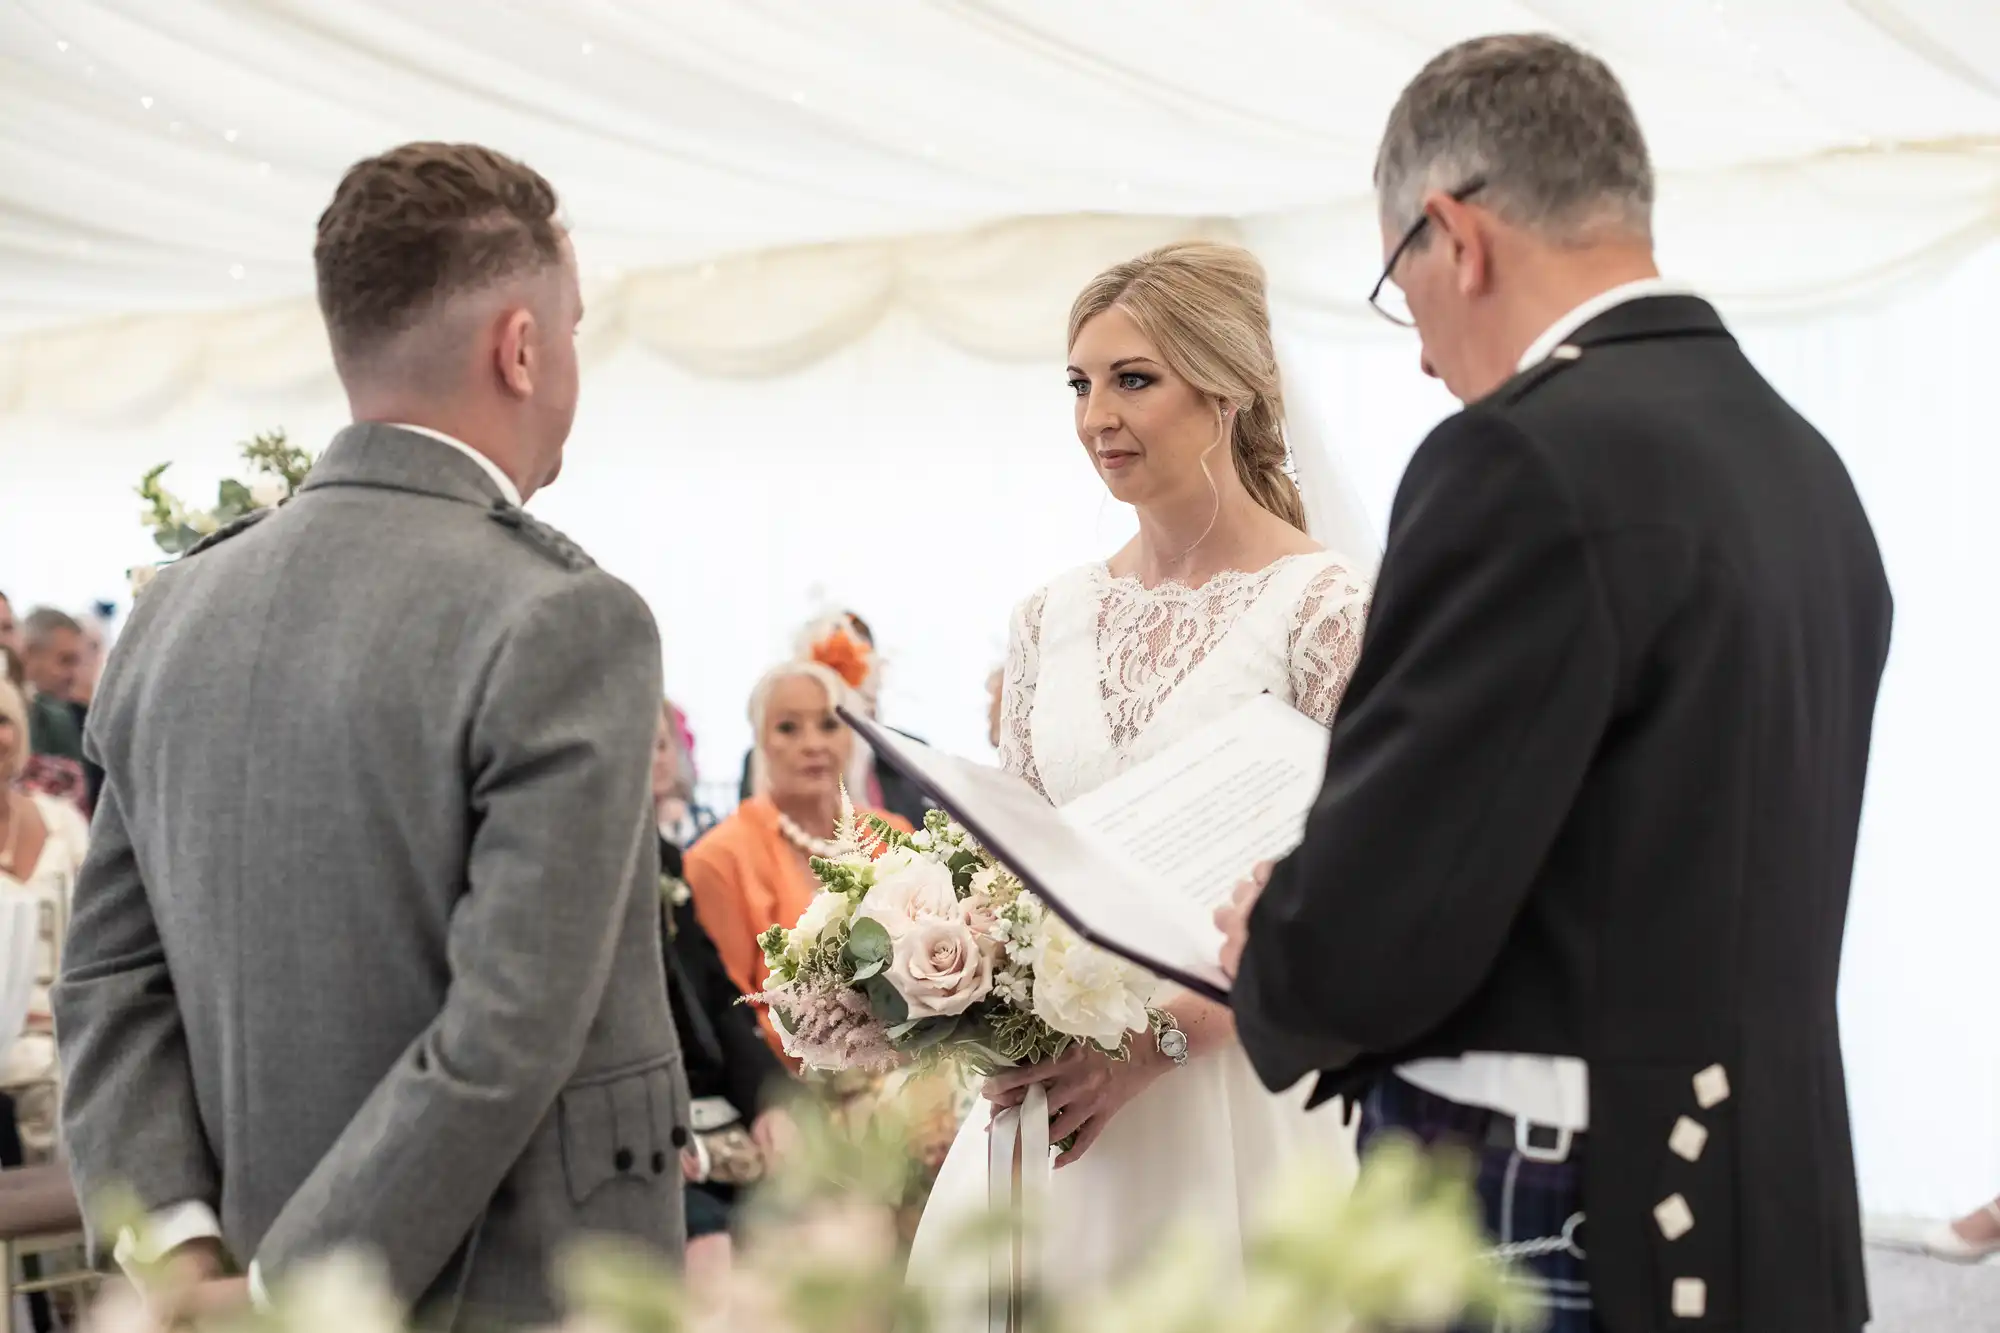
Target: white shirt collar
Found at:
x=508, y=489
x=1538, y=350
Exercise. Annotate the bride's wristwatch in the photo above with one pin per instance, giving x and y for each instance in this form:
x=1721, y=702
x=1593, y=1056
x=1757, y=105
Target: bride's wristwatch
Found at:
x=1173, y=1042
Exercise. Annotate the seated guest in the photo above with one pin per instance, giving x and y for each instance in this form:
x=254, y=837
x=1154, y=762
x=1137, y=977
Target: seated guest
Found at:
x=52, y=655
x=736, y=1083
x=52, y=651
x=752, y=871
x=42, y=843
x=682, y=817
x=844, y=644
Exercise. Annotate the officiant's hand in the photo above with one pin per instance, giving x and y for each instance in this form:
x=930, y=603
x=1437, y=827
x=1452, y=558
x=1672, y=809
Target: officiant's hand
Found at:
x=1086, y=1088
x=1233, y=920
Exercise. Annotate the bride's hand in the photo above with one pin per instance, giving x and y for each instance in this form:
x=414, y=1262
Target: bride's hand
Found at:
x=1086, y=1088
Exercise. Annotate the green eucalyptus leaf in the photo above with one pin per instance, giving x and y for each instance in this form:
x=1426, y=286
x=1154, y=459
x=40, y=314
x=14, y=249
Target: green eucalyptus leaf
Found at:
x=868, y=970
x=868, y=942
x=233, y=496
x=885, y=1001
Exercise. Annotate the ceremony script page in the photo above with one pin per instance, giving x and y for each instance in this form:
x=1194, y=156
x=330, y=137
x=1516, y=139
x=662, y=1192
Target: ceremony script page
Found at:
x=1140, y=865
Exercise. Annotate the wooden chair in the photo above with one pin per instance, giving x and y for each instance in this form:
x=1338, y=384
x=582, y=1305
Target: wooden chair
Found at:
x=39, y=1216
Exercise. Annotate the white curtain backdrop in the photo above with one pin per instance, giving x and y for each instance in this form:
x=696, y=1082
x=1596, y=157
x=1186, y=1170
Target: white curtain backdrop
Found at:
x=754, y=186
x=930, y=488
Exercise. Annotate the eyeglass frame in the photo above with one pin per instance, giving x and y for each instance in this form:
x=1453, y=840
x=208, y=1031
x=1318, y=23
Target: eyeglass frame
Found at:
x=1458, y=196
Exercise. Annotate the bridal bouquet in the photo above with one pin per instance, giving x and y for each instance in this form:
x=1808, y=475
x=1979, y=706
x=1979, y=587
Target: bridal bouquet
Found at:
x=923, y=948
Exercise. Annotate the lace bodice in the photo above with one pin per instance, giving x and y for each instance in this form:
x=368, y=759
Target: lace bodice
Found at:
x=1102, y=671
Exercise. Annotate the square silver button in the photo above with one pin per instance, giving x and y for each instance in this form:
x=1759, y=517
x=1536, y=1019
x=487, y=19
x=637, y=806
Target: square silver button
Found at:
x=1688, y=1139
x=1676, y=1219
x=1690, y=1298
x=1711, y=1087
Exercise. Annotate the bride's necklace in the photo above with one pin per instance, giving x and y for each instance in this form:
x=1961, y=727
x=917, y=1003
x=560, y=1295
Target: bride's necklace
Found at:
x=824, y=848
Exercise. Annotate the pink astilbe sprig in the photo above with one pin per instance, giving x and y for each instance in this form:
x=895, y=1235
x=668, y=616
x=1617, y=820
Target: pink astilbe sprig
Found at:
x=830, y=1026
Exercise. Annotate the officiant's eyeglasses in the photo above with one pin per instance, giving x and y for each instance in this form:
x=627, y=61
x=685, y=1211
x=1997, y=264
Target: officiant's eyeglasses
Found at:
x=1388, y=298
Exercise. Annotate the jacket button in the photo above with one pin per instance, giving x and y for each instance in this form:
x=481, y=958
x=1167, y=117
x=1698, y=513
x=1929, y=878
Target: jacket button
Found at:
x=623, y=1161
x=679, y=1136
x=659, y=1164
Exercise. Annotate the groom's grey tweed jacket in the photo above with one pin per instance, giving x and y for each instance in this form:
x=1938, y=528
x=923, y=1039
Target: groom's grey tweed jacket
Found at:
x=366, y=950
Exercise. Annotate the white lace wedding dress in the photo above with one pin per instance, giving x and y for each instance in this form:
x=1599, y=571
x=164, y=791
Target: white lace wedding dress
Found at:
x=1101, y=674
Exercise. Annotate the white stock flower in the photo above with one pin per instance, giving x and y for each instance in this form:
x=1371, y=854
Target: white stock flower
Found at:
x=907, y=892
x=269, y=492
x=921, y=839
x=203, y=523
x=939, y=969
x=345, y=1292
x=824, y=910
x=1086, y=992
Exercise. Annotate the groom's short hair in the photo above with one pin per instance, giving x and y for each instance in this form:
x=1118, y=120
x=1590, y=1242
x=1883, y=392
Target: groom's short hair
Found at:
x=1546, y=126
x=419, y=225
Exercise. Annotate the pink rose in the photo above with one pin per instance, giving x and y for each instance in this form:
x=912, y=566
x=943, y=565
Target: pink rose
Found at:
x=939, y=969
x=908, y=889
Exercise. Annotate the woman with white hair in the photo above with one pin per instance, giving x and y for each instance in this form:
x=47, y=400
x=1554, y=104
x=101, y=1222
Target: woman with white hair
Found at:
x=753, y=870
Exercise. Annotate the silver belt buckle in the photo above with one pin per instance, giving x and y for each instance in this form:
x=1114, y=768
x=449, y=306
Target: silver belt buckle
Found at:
x=1524, y=1143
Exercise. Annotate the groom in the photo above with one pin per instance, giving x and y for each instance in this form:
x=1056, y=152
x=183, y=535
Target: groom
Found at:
x=366, y=952
x=1574, y=890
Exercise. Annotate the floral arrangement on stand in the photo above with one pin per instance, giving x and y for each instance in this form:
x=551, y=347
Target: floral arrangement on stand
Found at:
x=923, y=948
x=279, y=468
x=1400, y=1249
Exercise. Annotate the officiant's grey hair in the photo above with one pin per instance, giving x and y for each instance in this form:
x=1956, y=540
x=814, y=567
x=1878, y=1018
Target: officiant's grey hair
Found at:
x=413, y=231
x=1546, y=126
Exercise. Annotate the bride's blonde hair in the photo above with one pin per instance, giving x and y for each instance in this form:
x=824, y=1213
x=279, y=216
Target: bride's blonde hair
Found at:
x=1203, y=305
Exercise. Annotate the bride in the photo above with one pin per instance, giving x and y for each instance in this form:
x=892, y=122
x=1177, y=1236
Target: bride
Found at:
x=1222, y=596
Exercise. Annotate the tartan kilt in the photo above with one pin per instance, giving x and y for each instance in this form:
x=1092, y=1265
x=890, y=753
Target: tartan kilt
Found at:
x=1521, y=1199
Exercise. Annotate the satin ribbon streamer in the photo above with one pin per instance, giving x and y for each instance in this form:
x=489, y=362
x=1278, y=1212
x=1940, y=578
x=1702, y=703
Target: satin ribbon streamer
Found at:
x=1016, y=1187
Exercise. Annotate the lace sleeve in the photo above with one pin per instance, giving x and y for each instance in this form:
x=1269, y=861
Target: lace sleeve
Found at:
x=1017, y=690
x=1326, y=641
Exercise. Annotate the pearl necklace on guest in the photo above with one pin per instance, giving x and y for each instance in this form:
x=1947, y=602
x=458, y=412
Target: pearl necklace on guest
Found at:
x=824, y=848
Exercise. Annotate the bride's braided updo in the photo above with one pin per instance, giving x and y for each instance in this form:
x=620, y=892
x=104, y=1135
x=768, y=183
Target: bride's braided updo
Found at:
x=1203, y=306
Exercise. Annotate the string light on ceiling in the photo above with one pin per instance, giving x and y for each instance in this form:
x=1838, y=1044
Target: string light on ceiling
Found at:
x=177, y=123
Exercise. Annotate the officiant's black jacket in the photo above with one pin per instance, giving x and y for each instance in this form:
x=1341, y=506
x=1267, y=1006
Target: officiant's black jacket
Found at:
x=1593, y=791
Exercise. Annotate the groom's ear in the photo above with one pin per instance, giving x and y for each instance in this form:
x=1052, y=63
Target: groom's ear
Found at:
x=514, y=351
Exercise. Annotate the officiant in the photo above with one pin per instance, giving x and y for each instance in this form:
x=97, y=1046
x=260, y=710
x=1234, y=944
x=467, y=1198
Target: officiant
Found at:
x=1573, y=892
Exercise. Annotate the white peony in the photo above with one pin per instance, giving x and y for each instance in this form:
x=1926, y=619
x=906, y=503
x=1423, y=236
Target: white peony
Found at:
x=269, y=492
x=939, y=969
x=908, y=889
x=824, y=910
x=1086, y=992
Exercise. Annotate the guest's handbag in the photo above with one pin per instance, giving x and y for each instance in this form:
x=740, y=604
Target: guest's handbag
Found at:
x=725, y=1153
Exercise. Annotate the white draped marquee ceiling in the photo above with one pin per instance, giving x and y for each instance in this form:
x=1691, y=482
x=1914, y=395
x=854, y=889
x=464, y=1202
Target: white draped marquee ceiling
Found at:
x=754, y=183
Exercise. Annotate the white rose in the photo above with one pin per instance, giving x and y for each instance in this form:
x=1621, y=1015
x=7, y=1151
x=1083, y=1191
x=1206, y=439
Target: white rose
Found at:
x=824, y=910
x=939, y=969
x=1086, y=992
x=907, y=893
x=269, y=492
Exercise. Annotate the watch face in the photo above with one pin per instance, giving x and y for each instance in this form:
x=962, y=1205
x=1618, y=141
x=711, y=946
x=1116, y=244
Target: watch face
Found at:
x=1173, y=1045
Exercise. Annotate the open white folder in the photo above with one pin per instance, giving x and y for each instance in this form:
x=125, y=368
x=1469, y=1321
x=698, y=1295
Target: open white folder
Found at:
x=1139, y=865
